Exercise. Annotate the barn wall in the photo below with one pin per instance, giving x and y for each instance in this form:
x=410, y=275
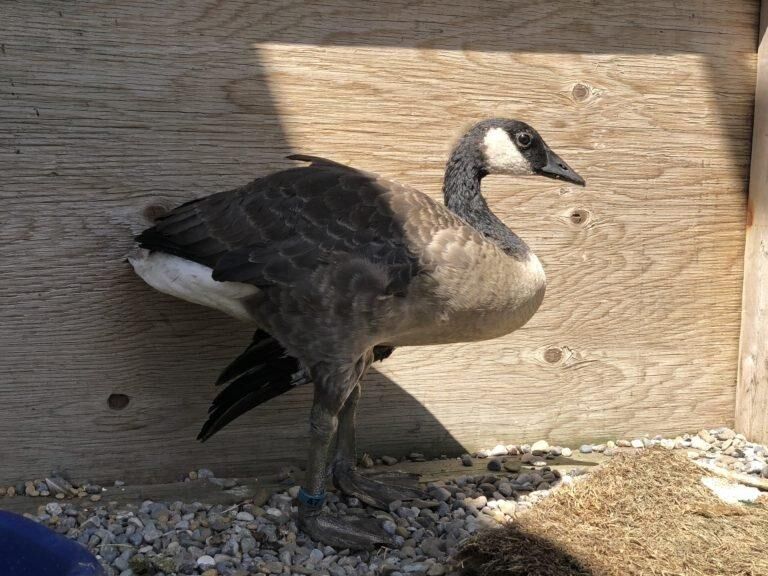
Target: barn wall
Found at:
x=112, y=112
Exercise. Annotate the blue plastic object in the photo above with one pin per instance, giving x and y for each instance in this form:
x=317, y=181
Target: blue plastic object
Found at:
x=31, y=549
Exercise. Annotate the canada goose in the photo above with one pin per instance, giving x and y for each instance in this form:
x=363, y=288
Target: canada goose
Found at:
x=336, y=267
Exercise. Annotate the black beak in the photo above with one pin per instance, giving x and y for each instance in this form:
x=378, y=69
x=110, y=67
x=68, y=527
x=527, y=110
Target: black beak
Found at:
x=558, y=169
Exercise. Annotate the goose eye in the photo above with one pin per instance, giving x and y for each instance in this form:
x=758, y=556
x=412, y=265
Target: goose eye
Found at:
x=524, y=140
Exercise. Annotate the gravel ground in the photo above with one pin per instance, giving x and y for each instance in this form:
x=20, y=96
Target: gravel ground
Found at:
x=192, y=538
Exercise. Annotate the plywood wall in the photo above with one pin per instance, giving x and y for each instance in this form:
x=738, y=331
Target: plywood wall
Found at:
x=111, y=112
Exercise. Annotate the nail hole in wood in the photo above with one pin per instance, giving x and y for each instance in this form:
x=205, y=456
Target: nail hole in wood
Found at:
x=118, y=401
x=579, y=217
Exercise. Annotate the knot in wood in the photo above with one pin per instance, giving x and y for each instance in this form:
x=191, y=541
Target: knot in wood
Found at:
x=553, y=355
x=155, y=211
x=580, y=92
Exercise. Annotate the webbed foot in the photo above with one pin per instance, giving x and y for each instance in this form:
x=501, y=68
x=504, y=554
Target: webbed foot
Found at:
x=344, y=531
x=375, y=493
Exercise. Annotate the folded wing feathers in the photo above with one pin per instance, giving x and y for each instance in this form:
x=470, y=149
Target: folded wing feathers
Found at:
x=262, y=372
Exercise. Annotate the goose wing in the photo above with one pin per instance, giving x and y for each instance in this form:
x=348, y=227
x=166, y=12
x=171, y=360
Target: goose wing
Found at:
x=306, y=225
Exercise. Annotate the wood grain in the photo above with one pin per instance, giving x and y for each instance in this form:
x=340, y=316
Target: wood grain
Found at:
x=112, y=112
x=752, y=386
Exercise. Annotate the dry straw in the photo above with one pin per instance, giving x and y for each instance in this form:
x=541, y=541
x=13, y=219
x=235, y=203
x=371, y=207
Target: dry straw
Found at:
x=640, y=514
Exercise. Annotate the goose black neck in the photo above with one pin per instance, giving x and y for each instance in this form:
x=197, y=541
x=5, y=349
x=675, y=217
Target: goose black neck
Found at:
x=463, y=197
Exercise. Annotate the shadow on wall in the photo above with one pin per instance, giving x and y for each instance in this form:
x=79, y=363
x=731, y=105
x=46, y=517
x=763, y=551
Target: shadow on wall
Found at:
x=386, y=413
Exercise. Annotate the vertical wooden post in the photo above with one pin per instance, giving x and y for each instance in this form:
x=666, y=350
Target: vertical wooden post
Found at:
x=752, y=383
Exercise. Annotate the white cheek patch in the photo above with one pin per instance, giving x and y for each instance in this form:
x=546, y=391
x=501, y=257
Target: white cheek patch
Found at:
x=502, y=155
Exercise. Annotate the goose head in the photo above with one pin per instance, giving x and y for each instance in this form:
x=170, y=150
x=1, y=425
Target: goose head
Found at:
x=513, y=147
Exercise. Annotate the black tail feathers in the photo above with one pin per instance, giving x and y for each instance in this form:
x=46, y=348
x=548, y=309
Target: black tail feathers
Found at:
x=262, y=372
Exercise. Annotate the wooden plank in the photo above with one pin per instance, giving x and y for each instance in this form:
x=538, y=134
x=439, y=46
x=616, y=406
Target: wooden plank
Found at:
x=114, y=112
x=752, y=387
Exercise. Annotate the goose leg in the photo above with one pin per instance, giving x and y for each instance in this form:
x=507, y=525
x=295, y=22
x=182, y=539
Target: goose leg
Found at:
x=352, y=483
x=331, y=391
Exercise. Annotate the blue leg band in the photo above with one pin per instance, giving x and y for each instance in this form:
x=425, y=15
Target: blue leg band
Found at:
x=311, y=501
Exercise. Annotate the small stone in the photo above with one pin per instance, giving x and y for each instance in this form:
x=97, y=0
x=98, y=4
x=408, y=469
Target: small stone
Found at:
x=585, y=448
x=466, y=460
x=528, y=457
x=507, y=507
x=205, y=562
x=389, y=527
x=512, y=466
x=95, y=497
x=726, y=434
x=11, y=491
x=204, y=473
x=540, y=447
x=439, y=493
x=151, y=534
x=225, y=483
x=164, y=564
x=389, y=460
x=293, y=491
x=432, y=547
x=219, y=523
x=698, y=443
x=505, y=489
x=478, y=502
x=416, y=457
x=636, y=443
x=498, y=450
x=316, y=555
x=706, y=436
x=436, y=570
x=140, y=564
x=121, y=562
x=623, y=443
x=366, y=461
x=53, y=508
x=598, y=447
x=273, y=567
x=30, y=490
x=58, y=484
x=668, y=444
x=245, y=516
x=567, y=452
